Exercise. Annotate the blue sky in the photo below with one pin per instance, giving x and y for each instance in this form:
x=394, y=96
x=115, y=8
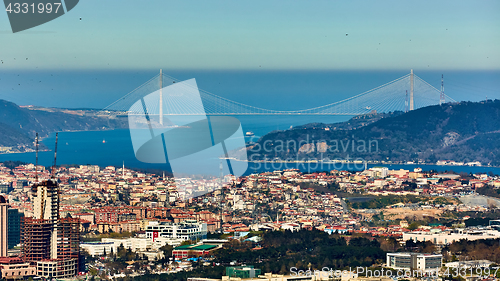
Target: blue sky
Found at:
x=260, y=34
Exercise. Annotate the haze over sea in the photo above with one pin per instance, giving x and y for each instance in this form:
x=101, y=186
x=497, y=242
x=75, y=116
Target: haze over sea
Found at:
x=280, y=90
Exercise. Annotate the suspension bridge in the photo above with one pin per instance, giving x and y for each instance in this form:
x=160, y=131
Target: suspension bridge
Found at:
x=406, y=93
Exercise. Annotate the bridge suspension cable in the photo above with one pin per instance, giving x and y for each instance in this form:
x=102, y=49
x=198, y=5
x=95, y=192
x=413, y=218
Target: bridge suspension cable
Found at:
x=388, y=97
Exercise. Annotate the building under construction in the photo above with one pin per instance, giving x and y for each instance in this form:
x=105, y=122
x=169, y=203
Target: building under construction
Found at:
x=36, y=239
x=47, y=241
x=37, y=234
x=50, y=243
x=68, y=238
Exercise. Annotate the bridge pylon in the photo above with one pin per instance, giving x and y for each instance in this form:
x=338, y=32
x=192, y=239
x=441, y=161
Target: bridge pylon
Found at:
x=411, y=90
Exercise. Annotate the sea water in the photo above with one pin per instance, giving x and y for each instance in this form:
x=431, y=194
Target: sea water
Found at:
x=278, y=90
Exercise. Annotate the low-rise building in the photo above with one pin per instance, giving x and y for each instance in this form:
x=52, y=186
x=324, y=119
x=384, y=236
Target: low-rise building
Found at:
x=243, y=272
x=134, y=244
x=98, y=248
x=469, y=264
x=15, y=268
x=415, y=261
x=186, y=230
x=190, y=251
x=448, y=237
x=58, y=268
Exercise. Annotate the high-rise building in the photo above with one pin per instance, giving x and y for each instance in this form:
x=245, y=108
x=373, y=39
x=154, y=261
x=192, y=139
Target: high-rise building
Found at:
x=4, y=207
x=46, y=200
x=46, y=207
x=50, y=243
x=14, y=228
x=10, y=267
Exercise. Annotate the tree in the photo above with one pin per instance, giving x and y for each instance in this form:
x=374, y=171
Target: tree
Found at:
x=167, y=251
x=413, y=226
x=326, y=263
x=429, y=247
x=93, y=272
x=187, y=242
x=121, y=252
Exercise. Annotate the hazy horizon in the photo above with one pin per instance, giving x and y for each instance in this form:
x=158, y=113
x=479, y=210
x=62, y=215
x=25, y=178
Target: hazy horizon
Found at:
x=286, y=90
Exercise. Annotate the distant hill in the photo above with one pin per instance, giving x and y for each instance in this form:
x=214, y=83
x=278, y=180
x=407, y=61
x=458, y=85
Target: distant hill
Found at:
x=19, y=125
x=461, y=132
x=353, y=123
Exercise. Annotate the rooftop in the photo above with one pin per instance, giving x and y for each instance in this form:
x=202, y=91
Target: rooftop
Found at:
x=196, y=247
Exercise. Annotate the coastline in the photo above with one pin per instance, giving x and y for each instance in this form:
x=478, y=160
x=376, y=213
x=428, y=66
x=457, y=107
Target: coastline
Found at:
x=359, y=162
x=21, y=152
x=86, y=147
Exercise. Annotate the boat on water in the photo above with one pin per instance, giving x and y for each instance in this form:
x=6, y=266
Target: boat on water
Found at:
x=103, y=141
x=249, y=134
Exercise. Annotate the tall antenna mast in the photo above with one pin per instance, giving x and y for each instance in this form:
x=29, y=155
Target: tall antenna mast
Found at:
x=36, y=162
x=161, y=97
x=55, y=158
x=441, y=97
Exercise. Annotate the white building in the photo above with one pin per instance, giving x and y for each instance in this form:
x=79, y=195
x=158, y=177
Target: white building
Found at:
x=162, y=241
x=98, y=248
x=448, y=237
x=186, y=230
x=469, y=264
x=291, y=226
x=376, y=172
x=415, y=261
x=134, y=244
